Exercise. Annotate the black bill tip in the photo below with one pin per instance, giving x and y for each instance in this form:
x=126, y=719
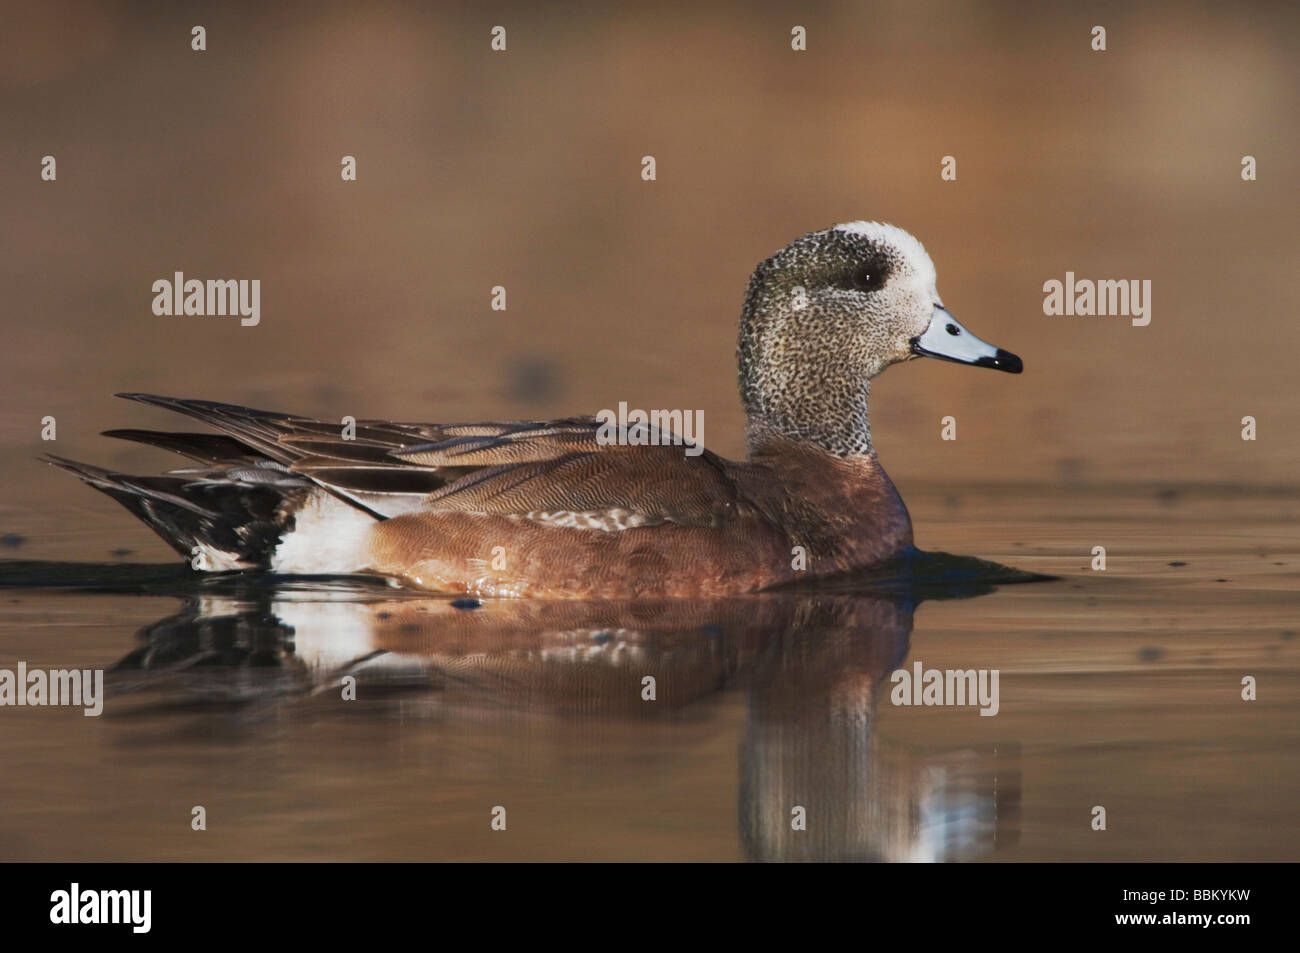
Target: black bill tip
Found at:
x=1002, y=361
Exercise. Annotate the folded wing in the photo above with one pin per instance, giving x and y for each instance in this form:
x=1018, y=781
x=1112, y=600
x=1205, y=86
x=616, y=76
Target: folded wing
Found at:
x=552, y=471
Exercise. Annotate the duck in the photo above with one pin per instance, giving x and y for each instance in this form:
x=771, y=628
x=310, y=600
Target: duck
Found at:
x=555, y=509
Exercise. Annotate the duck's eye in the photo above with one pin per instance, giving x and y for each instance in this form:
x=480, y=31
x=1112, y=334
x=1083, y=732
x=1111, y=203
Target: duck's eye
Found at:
x=868, y=279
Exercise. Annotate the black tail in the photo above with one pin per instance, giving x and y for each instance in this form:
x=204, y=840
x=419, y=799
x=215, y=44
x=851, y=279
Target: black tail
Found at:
x=232, y=517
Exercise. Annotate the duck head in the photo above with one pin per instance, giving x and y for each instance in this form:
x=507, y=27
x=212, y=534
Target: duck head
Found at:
x=829, y=312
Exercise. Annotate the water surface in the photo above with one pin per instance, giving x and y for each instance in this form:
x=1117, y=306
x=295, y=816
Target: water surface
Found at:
x=1118, y=688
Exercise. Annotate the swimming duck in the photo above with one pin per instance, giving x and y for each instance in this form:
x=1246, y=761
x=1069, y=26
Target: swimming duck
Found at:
x=549, y=508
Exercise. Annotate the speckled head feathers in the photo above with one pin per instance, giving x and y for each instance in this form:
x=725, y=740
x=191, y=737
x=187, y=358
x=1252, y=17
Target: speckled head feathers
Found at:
x=829, y=312
x=822, y=317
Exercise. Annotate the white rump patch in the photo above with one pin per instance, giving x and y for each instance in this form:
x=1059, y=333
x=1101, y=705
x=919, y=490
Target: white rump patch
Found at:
x=328, y=536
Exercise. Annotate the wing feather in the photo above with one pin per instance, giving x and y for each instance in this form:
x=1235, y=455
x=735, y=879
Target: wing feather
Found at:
x=529, y=469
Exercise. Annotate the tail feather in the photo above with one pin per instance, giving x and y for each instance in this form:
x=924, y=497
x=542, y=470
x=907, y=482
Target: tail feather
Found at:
x=223, y=523
x=271, y=490
x=255, y=429
x=359, y=468
x=203, y=447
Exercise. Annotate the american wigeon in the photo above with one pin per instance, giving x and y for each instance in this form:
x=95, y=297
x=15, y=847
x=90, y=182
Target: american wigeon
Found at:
x=548, y=508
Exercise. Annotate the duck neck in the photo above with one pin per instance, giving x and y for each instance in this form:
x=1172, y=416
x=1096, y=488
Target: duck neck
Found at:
x=827, y=413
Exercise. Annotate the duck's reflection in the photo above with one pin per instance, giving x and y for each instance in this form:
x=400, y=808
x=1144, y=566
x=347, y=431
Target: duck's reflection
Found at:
x=817, y=781
x=811, y=744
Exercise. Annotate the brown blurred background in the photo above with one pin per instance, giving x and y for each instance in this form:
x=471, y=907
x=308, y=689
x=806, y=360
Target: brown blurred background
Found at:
x=523, y=169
